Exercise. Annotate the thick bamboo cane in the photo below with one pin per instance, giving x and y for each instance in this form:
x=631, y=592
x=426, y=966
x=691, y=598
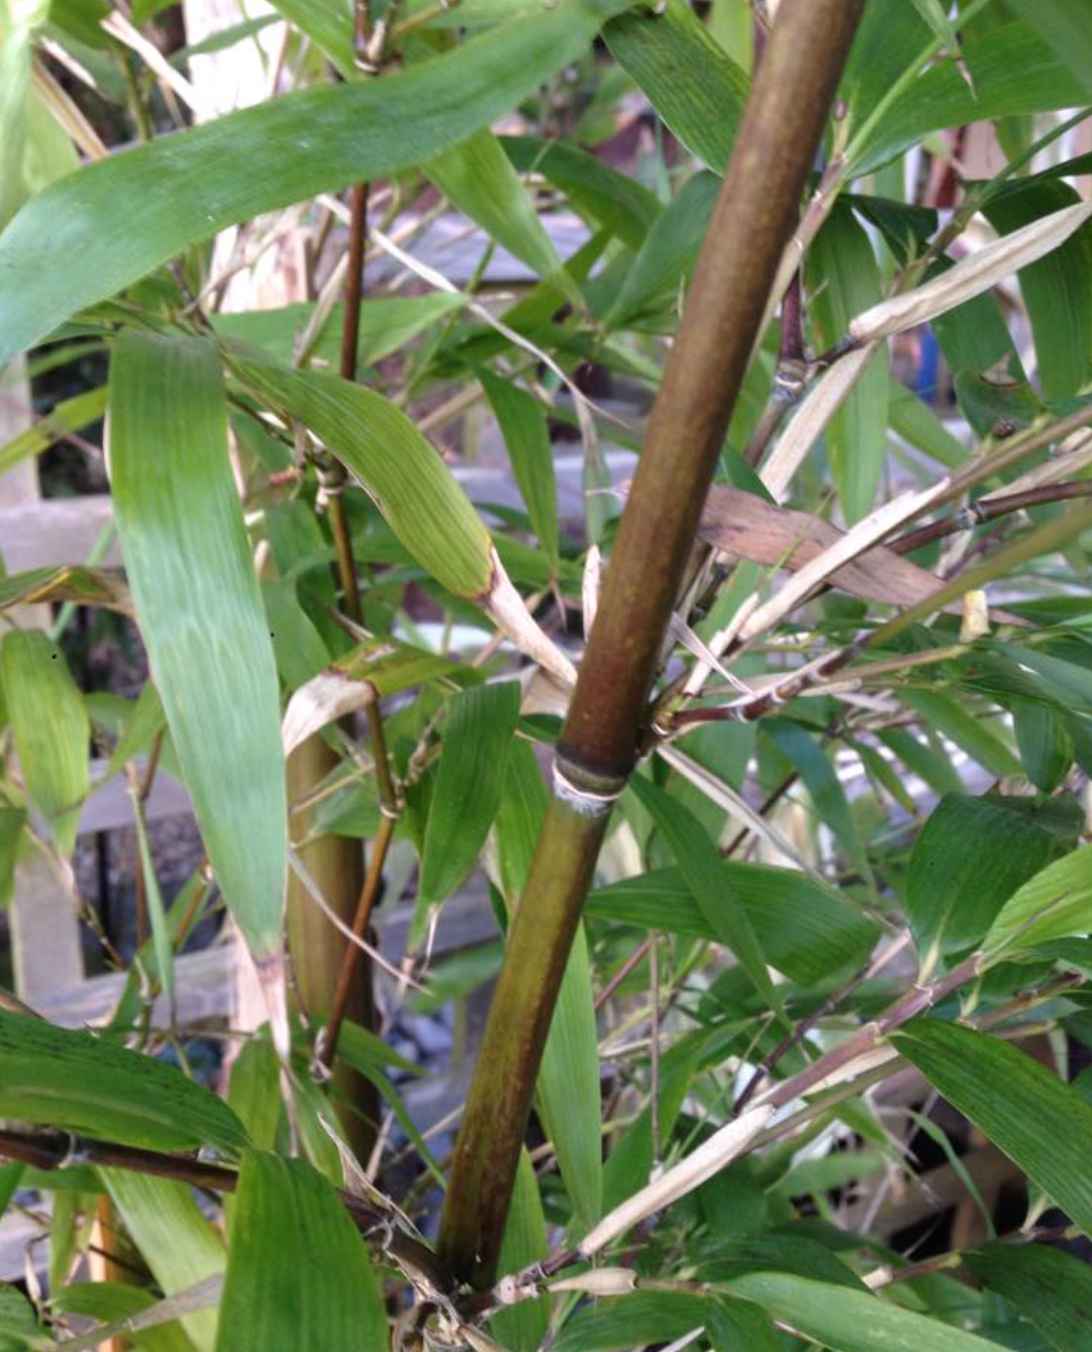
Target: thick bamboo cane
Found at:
x=753, y=221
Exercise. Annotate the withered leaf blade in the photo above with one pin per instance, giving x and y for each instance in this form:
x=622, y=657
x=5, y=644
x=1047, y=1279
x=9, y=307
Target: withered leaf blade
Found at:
x=742, y=524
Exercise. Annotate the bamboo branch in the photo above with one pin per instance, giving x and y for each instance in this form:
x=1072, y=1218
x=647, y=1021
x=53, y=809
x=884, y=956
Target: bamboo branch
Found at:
x=56, y=1150
x=751, y=226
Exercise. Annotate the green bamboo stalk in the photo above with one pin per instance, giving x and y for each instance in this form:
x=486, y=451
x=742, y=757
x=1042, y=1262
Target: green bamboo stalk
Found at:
x=336, y=864
x=753, y=222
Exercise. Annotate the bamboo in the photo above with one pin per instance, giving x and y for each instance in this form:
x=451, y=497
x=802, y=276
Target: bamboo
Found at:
x=336, y=863
x=751, y=225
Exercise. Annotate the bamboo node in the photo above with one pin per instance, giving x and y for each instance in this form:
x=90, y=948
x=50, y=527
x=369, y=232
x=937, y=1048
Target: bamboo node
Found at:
x=593, y=797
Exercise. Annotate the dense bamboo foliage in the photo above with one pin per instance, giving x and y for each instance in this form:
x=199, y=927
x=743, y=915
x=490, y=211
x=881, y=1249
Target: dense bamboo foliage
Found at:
x=619, y=472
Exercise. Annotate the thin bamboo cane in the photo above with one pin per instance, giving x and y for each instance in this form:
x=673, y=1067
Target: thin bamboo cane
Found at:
x=751, y=225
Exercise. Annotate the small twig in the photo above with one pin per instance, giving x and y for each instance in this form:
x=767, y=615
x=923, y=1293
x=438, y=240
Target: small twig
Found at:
x=829, y=1005
x=988, y=509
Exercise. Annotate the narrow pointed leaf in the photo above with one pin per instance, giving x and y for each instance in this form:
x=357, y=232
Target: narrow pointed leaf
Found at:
x=617, y=1325
x=293, y=147
x=568, y=1093
x=972, y=734
x=1043, y=1125
x=478, y=177
x=817, y=772
x=386, y=324
x=469, y=785
x=201, y=614
x=1067, y=27
x=329, y=25
x=740, y=1326
x=179, y=1245
x=523, y=1327
x=1055, y=904
x=1052, y=1289
x=617, y=202
x=298, y=1273
x=804, y=930
x=70, y=415
x=851, y=1321
x=51, y=729
x=524, y=426
x=1051, y=287
x=668, y=251
x=844, y=279
x=414, y=489
x=83, y=586
x=1015, y=71
x=972, y=855
x=699, y=864
x=693, y=84
x=131, y=1309
x=61, y=1078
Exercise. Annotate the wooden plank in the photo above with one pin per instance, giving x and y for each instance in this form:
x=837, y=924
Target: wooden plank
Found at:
x=110, y=806
x=56, y=531
x=44, y=930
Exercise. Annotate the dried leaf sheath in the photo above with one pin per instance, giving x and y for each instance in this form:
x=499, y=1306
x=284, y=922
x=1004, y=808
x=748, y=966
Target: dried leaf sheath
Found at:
x=752, y=223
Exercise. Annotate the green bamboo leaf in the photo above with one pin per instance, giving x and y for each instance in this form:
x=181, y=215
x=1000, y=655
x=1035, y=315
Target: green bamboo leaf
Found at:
x=1067, y=27
x=70, y=415
x=415, y=490
x=1042, y=1124
x=934, y=15
x=1015, y=71
x=295, y=146
x=617, y=202
x=19, y=1327
x=178, y=1244
x=201, y=614
x=298, y=1272
x=1061, y=325
x=972, y=734
x=478, y=177
x=844, y=280
x=568, y=1081
x=523, y=1327
x=1055, y=904
x=51, y=729
x=386, y=324
x=1044, y=742
x=82, y=586
x=524, y=426
x=631, y=1321
x=700, y=864
x=815, y=769
x=913, y=420
x=931, y=767
x=57, y=1077
x=469, y=785
x=693, y=84
x=804, y=930
x=1052, y=1289
x=668, y=251
x=740, y=1326
x=852, y=1321
x=1067, y=684
x=113, y=1302
x=12, y=821
x=972, y=855
x=329, y=25
x=162, y=945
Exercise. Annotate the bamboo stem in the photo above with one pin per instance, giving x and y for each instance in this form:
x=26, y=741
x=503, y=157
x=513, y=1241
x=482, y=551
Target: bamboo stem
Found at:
x=751, y=226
